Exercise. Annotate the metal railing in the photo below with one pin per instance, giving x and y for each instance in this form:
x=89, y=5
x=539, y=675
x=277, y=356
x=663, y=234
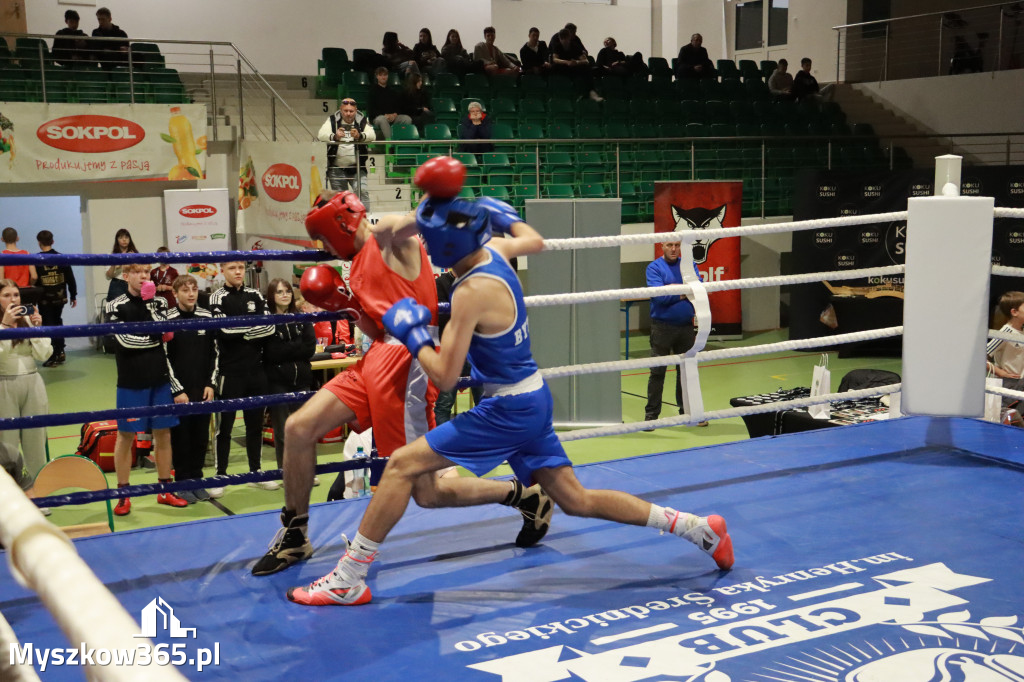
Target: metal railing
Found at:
x=627, y=168
x=973, y=40
x=217, y=74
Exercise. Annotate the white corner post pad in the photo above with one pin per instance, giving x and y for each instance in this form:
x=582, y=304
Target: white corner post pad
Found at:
x=945, y=308
x=693, y=400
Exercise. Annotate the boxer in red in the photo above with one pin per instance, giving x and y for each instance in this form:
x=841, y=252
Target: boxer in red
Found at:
x=387, y=389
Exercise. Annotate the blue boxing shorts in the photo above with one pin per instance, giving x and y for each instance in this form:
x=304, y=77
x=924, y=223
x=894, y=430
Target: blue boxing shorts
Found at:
x=516, y=428
x=145, y=397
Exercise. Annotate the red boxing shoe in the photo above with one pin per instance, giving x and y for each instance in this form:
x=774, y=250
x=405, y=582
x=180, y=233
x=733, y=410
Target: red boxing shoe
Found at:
x=171, y=500
x=124, y=507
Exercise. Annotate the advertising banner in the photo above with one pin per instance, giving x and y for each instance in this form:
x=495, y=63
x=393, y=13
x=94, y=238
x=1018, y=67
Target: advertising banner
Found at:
x=855, y=305
x=60, y=142
x=278, y=182
x=198, y=220
x=711, y=206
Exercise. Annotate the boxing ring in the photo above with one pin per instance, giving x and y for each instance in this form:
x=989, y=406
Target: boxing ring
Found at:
x=884, y=551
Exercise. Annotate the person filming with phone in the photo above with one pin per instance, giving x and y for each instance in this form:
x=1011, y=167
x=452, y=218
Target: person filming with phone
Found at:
x=346, y=161
x=22, y=393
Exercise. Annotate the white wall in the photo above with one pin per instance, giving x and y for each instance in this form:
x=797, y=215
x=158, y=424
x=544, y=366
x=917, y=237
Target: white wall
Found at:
x=629, y=22
x=278, y=37
x=949, y=104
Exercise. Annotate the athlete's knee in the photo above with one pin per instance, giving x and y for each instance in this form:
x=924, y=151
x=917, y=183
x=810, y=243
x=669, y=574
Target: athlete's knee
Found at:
x=426, y=493
x=300, y=428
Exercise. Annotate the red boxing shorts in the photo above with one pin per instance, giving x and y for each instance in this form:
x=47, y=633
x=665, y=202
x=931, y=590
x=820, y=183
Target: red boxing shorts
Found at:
x=390, y=392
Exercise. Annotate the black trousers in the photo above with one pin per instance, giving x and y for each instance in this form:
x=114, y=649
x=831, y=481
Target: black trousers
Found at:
x=666, y=339
x=53, y=316
x=189, y=440
x=241, y=386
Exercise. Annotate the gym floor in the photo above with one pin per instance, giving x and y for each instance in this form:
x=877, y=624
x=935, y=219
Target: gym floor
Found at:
x=87, y=382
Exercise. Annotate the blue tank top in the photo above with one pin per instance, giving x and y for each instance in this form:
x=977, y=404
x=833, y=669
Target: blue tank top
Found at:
x=505, y=357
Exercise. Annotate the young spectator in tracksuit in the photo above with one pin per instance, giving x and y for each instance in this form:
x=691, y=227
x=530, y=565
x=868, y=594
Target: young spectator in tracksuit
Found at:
x=286, y=359
x=59, y=286
x=144, y=379
x=240, y=351
x=193, y=357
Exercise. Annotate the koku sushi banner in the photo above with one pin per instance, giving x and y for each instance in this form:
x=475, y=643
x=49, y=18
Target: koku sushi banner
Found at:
x=278, y=182
x=55, y=142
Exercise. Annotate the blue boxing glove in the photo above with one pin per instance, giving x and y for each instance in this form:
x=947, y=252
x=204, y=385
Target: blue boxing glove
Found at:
x=407, y=321
x=501, y=214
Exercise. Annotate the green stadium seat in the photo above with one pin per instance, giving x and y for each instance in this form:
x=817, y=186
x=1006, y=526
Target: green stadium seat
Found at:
x=726, y=69
x=559, y=191
x=659, y=67
x=588, y=110
x=495, y=191
x=503, y=131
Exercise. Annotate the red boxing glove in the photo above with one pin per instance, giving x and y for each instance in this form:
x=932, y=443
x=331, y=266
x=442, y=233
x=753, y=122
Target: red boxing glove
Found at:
x=441, y=177
x=167, y=337
x=322, y=286
x=148, y=291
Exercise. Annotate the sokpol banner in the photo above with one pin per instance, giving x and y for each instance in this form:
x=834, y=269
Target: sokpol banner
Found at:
x=278, y=182
x=55, y=142
x=198, y=220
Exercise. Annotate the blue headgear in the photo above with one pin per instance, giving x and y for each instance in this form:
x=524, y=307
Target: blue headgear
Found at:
x=452, y=229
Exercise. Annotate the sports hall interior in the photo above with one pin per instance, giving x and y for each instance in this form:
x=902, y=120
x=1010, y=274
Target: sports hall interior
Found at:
x=280, y=70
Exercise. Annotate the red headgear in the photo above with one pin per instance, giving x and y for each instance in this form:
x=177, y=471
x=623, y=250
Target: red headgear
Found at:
x=335, y=223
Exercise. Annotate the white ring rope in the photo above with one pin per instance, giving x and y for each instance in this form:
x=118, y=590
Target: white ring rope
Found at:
x=721, y=354
x=1002, y=212
x=1007, y=271
x=719, y=233
x=1005, y=392
x=43, y=559
x=689, y=420
x=1003, y=336
x=543, y=300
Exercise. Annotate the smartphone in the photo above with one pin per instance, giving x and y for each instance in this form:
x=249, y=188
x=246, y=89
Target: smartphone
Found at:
x=27, y=309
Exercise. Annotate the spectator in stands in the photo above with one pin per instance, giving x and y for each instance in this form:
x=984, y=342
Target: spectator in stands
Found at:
x=693, y=61
x=576, y=43
x=781, y=83
x=22, y=393
x=566, y=57
x=455, y=56
x=286, y=359
x=398, y=57
x=70, y=44
x=385, y=104
x=346, y=165
x=805, y=86
x=59, y=285
x=428, y=57
x=111, y=53
x=163, y=276
x=491, y=57
x=123, y=243
x=240, y=358
x=416, y=101
x=534, y=54
x=475, y=126
x=610, y=61
x=193, y=357
x=144, y=379
x=23, y=275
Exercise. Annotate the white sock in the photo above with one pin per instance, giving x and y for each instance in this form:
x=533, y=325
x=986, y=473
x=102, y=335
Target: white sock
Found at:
x=356, y=562
x=670, y=520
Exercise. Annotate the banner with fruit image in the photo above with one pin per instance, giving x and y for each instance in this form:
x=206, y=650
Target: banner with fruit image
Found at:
x=277, y=184
x=61, y=142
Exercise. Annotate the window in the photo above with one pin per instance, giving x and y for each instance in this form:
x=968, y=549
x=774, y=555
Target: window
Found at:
x=778, y=22
x=760, y=23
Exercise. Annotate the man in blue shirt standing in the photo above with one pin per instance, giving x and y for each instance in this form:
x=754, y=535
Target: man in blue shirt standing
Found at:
x=671, y=327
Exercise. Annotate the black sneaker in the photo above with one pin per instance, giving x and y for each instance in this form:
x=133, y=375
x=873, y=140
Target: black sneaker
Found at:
x=52, y=361
x=289, y=546
x=61, y=359
x=536, y=508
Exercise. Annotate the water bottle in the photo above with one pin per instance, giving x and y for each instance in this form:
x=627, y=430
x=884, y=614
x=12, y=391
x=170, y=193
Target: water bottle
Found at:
x=363, y=483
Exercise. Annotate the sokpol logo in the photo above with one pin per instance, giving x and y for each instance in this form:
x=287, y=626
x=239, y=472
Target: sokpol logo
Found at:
x=282, y=182
x=198, y=211
x=91, y=133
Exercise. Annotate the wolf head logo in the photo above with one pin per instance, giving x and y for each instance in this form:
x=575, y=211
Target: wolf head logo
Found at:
x=698, y=218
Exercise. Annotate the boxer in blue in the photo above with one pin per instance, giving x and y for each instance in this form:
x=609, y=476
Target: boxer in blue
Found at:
x=513, y=421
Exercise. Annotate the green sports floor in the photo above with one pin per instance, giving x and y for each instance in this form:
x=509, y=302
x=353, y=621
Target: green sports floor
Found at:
x=86, y=382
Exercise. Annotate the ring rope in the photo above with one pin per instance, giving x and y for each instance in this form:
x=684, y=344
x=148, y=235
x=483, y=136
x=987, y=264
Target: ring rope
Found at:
x=1007, y=271
x=1003, y=212
x=725, y=233
x=1005, y=392
x=160, y=326
x=722, y=353
x=1003, y=336
x=177, y=409
x=142, y=489
x=543, y=300
x=690, y=420
x=162, y=257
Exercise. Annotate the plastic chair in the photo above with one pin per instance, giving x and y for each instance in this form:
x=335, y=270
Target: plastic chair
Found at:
x=74, y=471
x=558, y=191
x=497, y=192
x=659, y=67
x=727, y=69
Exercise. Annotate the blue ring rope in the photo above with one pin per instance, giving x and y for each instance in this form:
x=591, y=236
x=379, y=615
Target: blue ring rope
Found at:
x=376, y=465
x=163, y=257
